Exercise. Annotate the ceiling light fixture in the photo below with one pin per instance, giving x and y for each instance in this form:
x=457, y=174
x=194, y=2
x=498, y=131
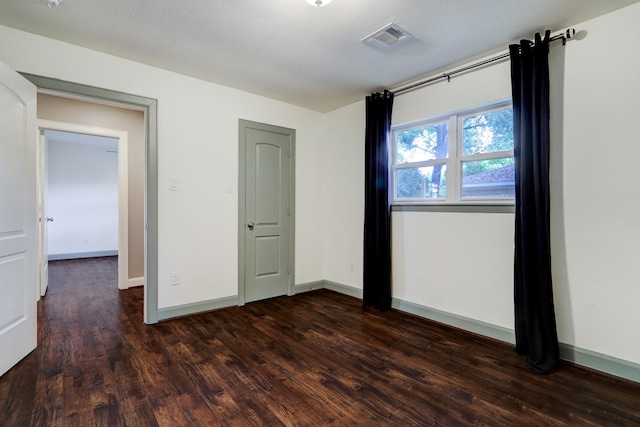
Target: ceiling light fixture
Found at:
x=318, y=3
x=50, y=3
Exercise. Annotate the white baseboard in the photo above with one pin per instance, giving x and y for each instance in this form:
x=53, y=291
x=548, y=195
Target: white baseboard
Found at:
x=343, y=289
x=197, y=307
x=332, y=286
x=136, y=281
x=80, y=255
x=310, y=286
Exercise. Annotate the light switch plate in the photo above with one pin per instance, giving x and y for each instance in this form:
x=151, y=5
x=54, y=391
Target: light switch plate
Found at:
x=175, y=278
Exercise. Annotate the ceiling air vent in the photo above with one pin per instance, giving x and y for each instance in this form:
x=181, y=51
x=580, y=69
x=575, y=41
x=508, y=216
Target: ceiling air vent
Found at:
x=387, y=36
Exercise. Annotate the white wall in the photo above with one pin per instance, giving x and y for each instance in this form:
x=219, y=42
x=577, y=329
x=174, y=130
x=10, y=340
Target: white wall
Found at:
x=460, y=263
x=344, y=194
x=82, y=198
x=597, y=205
x=463, y=263
x=198, y=145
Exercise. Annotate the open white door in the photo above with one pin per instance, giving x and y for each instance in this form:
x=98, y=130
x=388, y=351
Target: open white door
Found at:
x=43, y=224
x=18, y=218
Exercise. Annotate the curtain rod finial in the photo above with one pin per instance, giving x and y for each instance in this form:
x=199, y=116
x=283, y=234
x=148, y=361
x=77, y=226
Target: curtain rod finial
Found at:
x=568, y=35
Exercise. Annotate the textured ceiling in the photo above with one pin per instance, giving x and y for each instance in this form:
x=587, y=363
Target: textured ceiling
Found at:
x=291, y=51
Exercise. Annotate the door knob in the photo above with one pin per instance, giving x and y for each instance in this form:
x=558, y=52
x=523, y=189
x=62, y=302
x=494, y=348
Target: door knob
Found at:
x=49, y=219
x=250, y=225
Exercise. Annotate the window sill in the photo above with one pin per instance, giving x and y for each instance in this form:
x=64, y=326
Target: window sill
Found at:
x=466, y=208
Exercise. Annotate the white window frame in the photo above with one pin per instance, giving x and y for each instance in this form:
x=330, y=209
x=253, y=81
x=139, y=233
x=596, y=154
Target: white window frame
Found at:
x=454, y=158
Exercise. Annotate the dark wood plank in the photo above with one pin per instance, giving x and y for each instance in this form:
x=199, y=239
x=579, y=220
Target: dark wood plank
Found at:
x=309, y=360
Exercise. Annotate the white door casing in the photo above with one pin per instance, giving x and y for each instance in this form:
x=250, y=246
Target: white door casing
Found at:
x=43, y=219
x=18, y=218
x=123, y=186
x=266, y=211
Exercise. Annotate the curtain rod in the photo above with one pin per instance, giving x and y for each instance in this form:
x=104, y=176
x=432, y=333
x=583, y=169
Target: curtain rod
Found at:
x=564, y=37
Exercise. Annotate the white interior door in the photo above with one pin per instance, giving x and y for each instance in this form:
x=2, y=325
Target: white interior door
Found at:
x=43, y=184
x=18, y=218
x=267, y=211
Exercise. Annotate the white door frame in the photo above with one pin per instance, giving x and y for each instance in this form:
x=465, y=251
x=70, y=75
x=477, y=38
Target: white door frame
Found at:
x=123, y=190
x=42, y=235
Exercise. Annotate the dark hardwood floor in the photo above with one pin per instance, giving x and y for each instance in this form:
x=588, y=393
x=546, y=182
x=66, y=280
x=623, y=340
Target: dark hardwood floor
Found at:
x=310, y=360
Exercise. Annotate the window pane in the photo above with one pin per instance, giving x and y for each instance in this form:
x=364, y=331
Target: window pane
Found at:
x=487, y=133
x=421, y=183
x=425, y=143
x=493, y=178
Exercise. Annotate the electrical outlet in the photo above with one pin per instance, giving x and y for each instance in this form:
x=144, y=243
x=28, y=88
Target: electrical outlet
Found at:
x=175, y=278
x=352, y=265
x=85, y=239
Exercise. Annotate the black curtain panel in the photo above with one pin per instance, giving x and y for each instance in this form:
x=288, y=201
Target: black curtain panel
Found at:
x=377, y=216
x=535, y=323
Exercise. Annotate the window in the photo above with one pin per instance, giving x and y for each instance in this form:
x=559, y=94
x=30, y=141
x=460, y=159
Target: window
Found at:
x=463, y=157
